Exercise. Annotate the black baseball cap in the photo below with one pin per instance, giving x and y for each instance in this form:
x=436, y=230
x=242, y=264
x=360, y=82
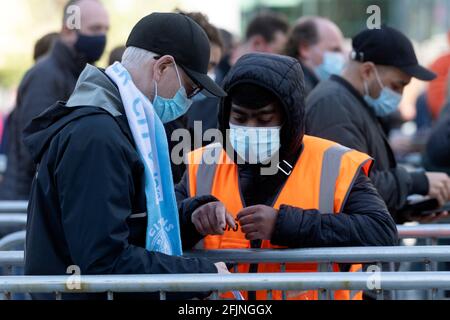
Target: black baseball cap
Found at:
x=388, y=46
x=182, y=38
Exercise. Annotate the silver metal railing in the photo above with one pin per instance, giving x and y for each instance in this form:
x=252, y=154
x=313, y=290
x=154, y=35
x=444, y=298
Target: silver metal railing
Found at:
x=10, y=220
x=324, y=256
x=13, y=206
x=13, y=241
x=425, y=254
x=430, y=232
x=212, y=283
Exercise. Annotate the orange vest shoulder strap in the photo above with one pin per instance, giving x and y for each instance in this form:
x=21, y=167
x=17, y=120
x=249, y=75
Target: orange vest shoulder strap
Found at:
x=338, y=168
x=202, y=166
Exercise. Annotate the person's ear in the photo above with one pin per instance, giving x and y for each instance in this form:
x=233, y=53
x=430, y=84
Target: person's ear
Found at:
x=259, y=43
x=304, y=51
x=161, y=66
x=366, y=70
x=68, y=35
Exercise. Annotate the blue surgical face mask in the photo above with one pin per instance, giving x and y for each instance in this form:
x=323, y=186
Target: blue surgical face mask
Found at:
x=386, y=103
x=333, y=64
x=91, y=47
x=255, y=144
x=171, y=109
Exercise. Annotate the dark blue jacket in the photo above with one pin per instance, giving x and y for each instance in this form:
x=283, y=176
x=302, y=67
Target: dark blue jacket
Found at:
x=438, y=148
x=87, y=205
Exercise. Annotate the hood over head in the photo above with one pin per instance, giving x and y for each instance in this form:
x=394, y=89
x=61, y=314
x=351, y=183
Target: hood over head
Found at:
x=283, y=77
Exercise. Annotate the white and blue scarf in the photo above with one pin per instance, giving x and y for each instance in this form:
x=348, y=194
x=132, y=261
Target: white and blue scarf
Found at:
x=163, y=228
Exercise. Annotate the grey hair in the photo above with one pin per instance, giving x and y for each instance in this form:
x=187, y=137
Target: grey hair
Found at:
x=136, y=57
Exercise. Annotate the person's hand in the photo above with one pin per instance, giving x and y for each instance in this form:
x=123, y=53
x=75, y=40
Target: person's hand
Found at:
x=258, y=222
x=212, y=218
x=439, y=186
x=431, y=218
x=221, y=268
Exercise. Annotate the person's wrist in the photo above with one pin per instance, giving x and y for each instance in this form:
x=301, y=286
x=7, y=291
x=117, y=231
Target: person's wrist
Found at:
x=420, y=183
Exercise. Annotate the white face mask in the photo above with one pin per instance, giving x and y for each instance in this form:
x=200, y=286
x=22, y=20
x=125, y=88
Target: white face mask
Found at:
x=255, y=144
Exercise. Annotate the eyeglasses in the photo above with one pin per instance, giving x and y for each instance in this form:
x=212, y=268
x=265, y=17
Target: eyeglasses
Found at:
x=195, y=91
x=192, y=89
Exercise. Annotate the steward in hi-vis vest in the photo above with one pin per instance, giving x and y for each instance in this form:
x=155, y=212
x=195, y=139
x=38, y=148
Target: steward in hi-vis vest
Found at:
x=270, y=186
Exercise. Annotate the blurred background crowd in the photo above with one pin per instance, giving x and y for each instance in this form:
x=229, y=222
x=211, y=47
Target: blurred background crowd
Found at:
x=30, y=28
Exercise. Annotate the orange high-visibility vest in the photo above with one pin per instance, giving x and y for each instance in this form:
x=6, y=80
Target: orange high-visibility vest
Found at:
x=321, y=179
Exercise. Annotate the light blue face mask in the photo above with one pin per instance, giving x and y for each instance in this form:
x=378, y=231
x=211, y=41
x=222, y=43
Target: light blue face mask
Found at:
x=386, y=103
x=255, y=144
x=333, y=64
x=171, y=109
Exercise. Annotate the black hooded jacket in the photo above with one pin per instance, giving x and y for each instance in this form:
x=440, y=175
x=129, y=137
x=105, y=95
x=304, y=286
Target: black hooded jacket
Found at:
x=87, y=206
x=437, y=156
x=365, y=220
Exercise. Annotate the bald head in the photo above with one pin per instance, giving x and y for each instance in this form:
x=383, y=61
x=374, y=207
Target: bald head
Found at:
x=88, y=17
x=330, y=36
x=311, y=37
x=85, y=26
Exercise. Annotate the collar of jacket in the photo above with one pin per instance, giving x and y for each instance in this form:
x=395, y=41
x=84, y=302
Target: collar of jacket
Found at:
x=310, y=74
x=355, y=93
x=369, y=110
x=67, y=58
x=95, y=89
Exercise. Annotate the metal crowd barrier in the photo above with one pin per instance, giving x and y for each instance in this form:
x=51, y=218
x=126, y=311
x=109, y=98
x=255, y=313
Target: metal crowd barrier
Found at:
x=425, y=254
x=10, y=220
x=431, y=232
x=13, y=207
x=374, y=256
x=324, y=282
x=326, y=256
x=424, y=231
x=13, y=241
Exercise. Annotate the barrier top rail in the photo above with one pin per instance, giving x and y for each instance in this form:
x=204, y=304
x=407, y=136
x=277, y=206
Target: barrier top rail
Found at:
x=325, y=255
x=13, y=219
x=13, y=206
x=13, y=213
x=437, y=231
x=424, y=254
x=212, y=282
x=13, y=241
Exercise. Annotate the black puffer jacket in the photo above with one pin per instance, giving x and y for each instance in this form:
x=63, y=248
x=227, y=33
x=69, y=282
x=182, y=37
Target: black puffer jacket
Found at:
x=365, y=220
x=438, y=148
x=336, y=111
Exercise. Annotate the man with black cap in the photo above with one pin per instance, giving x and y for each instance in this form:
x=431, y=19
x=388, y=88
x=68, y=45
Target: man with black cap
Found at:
x=102, y=198
x=347, y=110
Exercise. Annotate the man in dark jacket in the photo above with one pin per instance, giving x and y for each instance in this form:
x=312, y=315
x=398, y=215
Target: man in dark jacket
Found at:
x=53, y=78
x=347, y=110
x=438, y=147
x=265, y=92
x=318, y=44
x=88, y=203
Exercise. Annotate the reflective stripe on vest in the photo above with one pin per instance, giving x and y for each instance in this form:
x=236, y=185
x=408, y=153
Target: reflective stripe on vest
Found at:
x=330, y=171
x=321, y=179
